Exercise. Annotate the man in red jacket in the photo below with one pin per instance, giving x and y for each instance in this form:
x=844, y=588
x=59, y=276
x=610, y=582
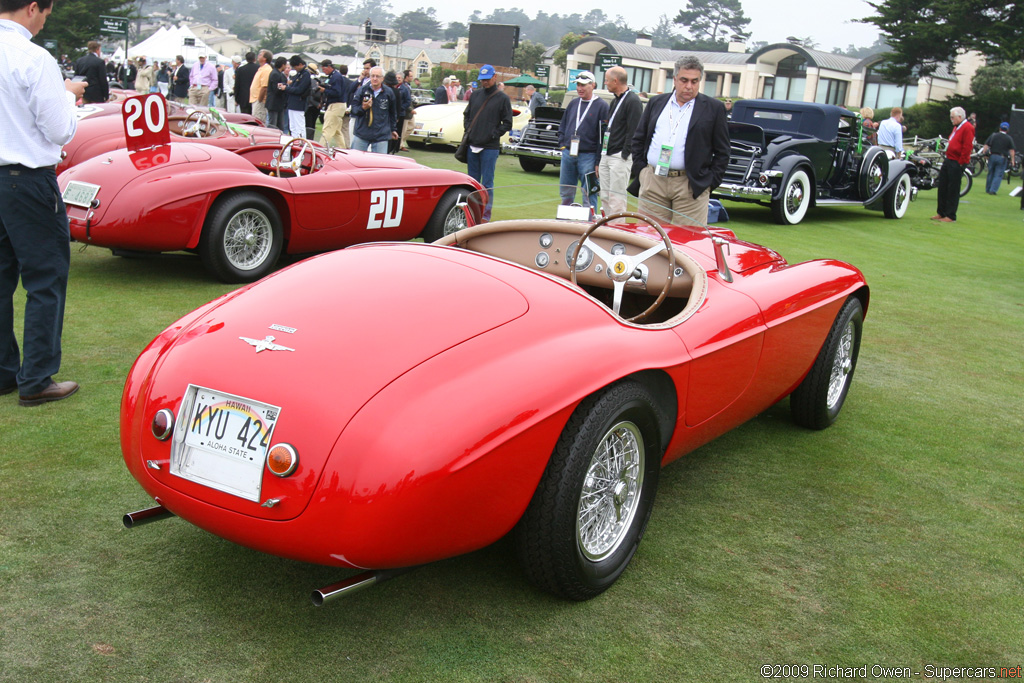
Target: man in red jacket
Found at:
x=958, y=155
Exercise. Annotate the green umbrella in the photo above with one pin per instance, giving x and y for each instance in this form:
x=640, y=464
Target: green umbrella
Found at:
x=526, y=80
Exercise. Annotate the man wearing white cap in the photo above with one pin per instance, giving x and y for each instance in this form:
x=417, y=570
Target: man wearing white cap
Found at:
x=229, y=84
x=579, y=138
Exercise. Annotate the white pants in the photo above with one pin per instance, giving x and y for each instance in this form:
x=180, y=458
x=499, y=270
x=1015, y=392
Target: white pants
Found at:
x=613, y=172
x=297, y=123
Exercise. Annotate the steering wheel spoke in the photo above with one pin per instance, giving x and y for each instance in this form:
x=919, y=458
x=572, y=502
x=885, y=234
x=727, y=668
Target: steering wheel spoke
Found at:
x=622, y=267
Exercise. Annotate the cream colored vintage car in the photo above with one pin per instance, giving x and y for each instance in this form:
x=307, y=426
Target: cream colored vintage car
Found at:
x=443, y=123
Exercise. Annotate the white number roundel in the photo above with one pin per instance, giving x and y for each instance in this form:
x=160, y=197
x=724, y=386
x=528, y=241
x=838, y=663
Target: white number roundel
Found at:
x=145, y=115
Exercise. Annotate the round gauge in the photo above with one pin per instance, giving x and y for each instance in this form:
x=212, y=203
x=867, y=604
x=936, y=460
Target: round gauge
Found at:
x=542, y=260
x=678, y=272
x=618, y=249
x=585, y=258
x=546, y=240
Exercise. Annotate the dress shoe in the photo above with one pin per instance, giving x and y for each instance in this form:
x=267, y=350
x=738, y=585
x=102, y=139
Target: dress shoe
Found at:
x=55, y=392
x=8, y=390
x=946, y=219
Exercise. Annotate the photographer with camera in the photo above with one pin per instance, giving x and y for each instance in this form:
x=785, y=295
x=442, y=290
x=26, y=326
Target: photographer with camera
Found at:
x=337, y=89
x=376, y=116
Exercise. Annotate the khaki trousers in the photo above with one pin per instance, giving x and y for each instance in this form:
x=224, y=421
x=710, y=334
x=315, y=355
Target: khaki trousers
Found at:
x=663, y=198
x=613, y=172
x=406, y=129
x=199, y=96
x=259, y=110
x=334, y=130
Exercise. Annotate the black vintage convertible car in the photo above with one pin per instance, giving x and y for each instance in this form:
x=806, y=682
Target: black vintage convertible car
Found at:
x=794, y=155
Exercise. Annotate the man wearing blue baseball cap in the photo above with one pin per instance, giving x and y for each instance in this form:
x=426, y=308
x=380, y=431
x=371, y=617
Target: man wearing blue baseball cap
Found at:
x=999, y=144
x=488, y=116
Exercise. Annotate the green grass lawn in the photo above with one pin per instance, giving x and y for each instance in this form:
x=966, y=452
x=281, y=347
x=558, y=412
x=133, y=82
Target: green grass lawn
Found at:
x=893, y=538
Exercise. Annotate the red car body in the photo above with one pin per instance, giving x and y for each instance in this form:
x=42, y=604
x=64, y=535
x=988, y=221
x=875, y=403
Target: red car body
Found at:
x=428, y=388
x=187, y=196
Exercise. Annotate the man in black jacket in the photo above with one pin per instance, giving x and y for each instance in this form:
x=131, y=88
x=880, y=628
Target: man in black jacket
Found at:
x=243, y=82
x=95, y=71
x=623, y=117
x=681, y=148
x=179, y=80
x=488, y=116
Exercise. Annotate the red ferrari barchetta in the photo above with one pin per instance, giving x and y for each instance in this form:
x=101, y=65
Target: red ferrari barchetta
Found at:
x=432, y=398
x=241, y=209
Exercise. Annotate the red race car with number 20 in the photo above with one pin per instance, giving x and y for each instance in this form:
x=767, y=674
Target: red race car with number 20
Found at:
x=432, y=398
x=241, y=209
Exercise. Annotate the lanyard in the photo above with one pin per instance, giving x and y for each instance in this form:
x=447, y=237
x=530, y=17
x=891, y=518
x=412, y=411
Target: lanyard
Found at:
x=673, y=124
x=618, y=105
x=579, y=119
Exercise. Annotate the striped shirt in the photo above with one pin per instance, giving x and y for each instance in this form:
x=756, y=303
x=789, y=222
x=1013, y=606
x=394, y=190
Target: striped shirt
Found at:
x=37, y=114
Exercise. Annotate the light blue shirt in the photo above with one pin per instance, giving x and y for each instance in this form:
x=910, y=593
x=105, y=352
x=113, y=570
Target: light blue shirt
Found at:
x=890, y=134
x=37, y=114
x=671, y=129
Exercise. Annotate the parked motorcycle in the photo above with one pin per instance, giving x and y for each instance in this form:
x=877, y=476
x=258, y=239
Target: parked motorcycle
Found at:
x=927, y=161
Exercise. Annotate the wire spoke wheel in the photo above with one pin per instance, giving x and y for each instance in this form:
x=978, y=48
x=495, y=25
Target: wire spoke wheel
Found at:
x=611, y=491
x=841, y=366
x=248, y=239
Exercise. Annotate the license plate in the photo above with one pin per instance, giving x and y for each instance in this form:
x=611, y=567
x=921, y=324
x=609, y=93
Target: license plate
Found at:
x=221, y=441
x=80, y=194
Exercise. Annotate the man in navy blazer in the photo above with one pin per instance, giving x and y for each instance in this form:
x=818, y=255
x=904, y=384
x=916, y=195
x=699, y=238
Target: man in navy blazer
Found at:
x=681, y=148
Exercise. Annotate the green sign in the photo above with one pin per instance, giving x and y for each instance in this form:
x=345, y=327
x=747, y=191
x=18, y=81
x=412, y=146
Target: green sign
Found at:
x=542, y=70
x=50, y=45
x=608, y=61
x=114, y=25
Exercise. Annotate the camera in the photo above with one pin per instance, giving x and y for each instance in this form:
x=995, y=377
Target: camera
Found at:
x=368, y=97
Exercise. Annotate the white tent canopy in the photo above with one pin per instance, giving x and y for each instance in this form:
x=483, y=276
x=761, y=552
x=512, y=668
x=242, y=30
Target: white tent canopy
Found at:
x=166, y=43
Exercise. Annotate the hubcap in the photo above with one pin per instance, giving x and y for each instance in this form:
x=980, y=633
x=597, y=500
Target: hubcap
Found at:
x=795, y=197
x=611, y=491
x=248, y=239
x=842, y=364
x=874, y=178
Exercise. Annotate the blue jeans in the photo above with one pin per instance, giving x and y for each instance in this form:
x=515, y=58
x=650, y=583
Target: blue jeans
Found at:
x=367, y=146
x=571, y=174
x=996, y=169
x=35, y=243
x=480, y=167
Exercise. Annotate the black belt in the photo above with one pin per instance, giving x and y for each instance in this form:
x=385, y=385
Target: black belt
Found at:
x=18, y=168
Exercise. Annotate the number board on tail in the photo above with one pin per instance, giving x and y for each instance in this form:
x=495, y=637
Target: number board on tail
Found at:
x=145, y=121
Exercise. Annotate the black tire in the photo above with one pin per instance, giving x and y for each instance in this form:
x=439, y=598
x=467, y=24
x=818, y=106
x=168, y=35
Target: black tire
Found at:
x=555, y=553
x=816, y=402
x=897, y=198
x=242, y=238
x=791, y=207
x=874, y=170
x=531, y=164
x=446, y=218
x=968, y=182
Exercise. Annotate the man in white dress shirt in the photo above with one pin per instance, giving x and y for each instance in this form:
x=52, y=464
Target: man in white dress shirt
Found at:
x=37, y=117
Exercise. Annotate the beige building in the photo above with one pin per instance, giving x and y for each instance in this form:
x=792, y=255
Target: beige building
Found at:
x=419, y=55
x=783, y=71
x=220, y=40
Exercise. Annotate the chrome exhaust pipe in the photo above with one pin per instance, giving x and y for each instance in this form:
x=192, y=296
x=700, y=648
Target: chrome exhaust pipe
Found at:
x=354, y=584
x=153, y=514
